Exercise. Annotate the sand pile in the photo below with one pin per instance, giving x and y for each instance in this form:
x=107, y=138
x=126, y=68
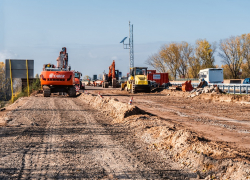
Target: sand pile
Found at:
x=111, y=107
x=209, y=160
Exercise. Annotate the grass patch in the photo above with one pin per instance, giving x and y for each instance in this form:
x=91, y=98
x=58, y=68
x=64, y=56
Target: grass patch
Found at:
x=35, y=86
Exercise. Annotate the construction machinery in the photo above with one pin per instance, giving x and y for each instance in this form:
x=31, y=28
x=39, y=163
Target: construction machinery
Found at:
x=111, y=79
x=58, y=78
x=78, y=82
x=137, y=80
x=187, y=86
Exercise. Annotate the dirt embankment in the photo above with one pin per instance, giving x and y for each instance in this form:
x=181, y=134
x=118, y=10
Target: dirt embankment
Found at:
x=211, y=160
x=212, y=97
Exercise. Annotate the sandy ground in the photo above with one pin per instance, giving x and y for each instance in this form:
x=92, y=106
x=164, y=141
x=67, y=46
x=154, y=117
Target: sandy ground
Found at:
x=208, y=133
x=214, y=117
x=162, y=135
x=66, y=138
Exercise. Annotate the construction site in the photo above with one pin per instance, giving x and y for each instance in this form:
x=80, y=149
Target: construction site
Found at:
x=141, y=126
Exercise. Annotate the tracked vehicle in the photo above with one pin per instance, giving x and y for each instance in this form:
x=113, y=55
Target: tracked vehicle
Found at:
x=58, y=78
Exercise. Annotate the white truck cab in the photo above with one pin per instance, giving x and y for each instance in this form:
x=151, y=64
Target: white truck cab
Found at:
x=212, y=75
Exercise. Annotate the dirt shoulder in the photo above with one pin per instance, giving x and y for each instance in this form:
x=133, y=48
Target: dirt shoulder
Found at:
x=210, y=131
x=164, y=135
x=213, y=117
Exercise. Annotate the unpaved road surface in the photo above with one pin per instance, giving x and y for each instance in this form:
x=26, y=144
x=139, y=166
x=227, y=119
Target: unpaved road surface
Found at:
x=65, y=138
x=225, y=122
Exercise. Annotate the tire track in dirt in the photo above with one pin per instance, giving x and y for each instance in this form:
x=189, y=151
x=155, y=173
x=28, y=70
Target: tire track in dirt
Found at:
x=65, y=138
x=108, y=157
x=34, y=163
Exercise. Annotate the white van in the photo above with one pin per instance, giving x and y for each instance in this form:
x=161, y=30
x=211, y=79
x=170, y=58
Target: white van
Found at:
x=212, y=75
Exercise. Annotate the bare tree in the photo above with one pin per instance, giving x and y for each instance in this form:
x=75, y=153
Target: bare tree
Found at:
x=157, y=62
x=232, y=54
x=171, y=55
x=186, y=52
x=245, y=38
x=194, y=67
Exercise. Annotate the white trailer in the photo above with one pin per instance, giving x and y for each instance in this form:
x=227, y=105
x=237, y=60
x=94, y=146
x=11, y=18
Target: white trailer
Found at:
x=212, y=75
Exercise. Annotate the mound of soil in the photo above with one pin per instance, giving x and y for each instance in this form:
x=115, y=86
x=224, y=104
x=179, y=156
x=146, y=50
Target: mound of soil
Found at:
x=211, y=160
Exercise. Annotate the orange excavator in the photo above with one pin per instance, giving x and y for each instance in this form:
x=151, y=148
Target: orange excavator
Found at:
x=111, y=78
x=58, y=78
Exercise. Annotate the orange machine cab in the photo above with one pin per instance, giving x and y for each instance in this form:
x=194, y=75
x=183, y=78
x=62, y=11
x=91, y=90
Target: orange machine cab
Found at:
x=60, y=78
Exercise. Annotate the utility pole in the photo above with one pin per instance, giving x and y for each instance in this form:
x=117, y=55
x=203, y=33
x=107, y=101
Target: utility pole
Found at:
x=130, y=46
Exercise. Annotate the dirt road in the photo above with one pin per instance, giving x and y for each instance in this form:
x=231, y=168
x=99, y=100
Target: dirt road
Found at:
x=217, y=121
x=65, y=138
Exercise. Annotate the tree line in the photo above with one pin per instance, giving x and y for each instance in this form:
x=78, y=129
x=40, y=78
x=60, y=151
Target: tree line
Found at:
x=183, y=60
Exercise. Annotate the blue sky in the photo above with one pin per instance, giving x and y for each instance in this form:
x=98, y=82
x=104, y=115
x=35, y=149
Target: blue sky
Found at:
x=92, y=29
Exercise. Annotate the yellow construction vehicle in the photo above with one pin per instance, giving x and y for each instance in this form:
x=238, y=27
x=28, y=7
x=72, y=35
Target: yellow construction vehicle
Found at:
x=137, y=81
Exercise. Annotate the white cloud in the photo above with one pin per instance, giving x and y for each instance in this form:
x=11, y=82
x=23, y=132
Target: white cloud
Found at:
x=5, y=54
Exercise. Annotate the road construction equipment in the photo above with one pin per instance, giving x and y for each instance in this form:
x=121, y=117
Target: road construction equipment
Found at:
x=58, y=78
x=187, y=86
x=137, y=81
x=111, y=79
x=78, y=82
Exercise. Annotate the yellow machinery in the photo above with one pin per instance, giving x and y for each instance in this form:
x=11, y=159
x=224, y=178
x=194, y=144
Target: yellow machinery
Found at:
x=138, y=81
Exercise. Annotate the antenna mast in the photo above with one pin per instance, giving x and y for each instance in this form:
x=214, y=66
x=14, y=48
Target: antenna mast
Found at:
x=130, y=46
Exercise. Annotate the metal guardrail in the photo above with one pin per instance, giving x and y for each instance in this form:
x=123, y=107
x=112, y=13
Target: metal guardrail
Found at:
x=187, y=79
x=229, y=88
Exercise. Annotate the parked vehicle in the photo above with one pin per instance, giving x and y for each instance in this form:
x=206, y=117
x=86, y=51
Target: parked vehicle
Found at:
x=246, y=81
x=137, y=81
x=112, y=78
x=78, y=82
x=212, y=75
x=158, y=78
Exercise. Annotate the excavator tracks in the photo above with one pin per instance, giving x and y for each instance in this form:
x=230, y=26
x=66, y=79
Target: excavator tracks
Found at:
x=46, y=91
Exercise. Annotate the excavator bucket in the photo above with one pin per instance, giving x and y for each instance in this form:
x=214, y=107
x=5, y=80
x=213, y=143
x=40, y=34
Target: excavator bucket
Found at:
x=187, y=86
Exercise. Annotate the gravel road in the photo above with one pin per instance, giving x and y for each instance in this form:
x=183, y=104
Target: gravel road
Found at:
x=64, y=138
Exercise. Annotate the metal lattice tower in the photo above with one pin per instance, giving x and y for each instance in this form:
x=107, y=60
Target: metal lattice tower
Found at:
x=130, y=46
